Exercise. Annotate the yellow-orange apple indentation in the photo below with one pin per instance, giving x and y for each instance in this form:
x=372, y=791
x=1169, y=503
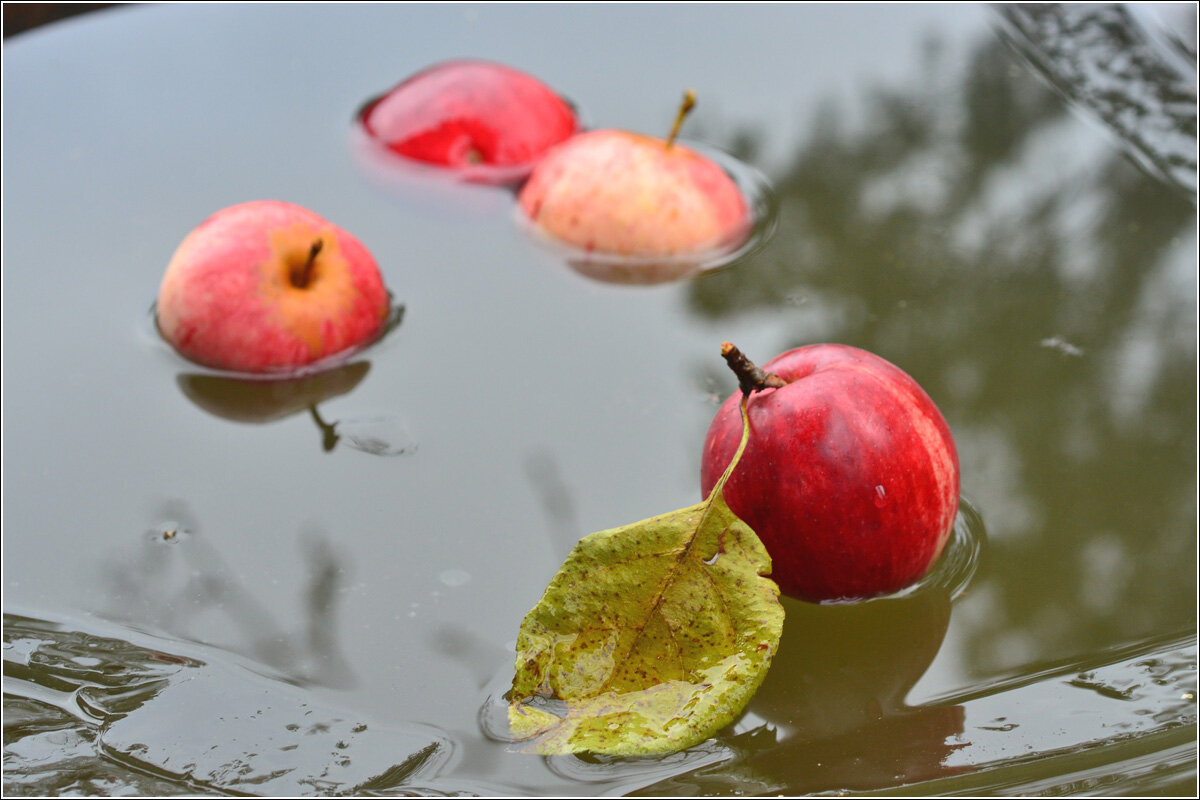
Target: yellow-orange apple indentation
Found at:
x=306, y=306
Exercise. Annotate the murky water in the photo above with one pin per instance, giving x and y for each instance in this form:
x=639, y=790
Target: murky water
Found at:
x=215, y=586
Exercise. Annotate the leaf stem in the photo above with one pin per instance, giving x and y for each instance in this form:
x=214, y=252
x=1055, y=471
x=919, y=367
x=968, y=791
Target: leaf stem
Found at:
x=751, y=377
x=719, y=488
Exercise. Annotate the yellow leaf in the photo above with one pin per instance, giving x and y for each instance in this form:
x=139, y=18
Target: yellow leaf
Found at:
x=650, y=638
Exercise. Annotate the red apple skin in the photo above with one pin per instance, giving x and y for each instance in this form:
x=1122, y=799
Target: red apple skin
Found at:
x=461, y=114
x=850, y=476
x=623, y=193
x=228, y=300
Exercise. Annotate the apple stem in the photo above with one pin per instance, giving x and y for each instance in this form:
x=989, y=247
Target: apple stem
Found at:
x=302, y=277
x=685, y=108
x=751, y=377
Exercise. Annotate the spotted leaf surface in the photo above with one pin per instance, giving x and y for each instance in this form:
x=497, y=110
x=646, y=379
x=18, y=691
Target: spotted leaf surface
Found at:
x=650, y=638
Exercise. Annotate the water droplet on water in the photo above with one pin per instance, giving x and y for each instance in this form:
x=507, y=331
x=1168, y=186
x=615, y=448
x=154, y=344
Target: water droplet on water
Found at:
x=379, y=436
x=170, y=532
x=454, y=577
x=1061, y=345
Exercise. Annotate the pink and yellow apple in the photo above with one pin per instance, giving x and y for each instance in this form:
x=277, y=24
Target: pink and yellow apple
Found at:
x=483, y=121
x=269, y=287
x=850, y=476
x=621, y=193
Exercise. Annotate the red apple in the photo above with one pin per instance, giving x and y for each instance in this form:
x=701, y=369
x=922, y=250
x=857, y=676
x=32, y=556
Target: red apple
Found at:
x=269, y=286
x=850, y=476
x=622, y=193
x=486, y=121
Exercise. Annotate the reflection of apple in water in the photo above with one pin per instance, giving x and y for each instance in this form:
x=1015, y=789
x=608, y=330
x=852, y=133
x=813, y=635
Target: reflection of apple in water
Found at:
x=261, y=401
x=622, y=193
x=643, y=271
x=843, y=666
x=485, y=121
x=268, y=286
x=850, y=477
x=836, y=692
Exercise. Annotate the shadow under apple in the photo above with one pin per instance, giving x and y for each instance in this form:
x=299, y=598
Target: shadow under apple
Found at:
x=634, y=272
x=262, y=401
x=836, y=695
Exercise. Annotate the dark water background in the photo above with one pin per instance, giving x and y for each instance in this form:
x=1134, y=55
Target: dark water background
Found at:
x=999, y=203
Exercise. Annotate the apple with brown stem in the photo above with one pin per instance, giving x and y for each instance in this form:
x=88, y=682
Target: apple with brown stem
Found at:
x=620, y=193
x=272, y=288
x=850, y=476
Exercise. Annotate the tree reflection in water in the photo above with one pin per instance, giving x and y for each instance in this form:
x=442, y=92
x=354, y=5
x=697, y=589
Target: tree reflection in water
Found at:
x=177, y=583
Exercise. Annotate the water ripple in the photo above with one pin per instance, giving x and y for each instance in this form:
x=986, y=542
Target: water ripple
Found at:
x=139, y=719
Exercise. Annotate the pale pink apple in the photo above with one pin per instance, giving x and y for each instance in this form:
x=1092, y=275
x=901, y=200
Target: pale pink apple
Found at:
x=621, y=193
x=270, y=287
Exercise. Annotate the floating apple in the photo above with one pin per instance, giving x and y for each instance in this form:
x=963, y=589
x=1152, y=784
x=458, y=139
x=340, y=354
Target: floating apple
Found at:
x=850, y=476
x=268, y=286
x=486, y=121
x=610, y=191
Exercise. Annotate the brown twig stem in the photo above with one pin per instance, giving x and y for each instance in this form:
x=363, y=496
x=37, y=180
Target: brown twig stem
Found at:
x=685, y=108
x=751, y=377
x=301, y=277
